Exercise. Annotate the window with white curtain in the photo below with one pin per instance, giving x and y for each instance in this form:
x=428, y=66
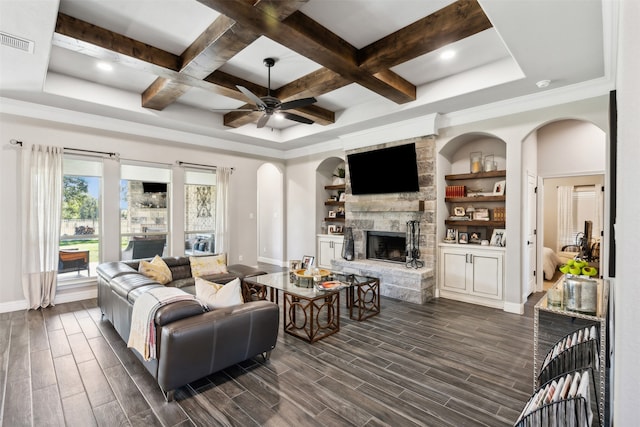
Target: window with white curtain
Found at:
x=80, y=220
x=144, y=210
x=586, y=207
x=199, y=211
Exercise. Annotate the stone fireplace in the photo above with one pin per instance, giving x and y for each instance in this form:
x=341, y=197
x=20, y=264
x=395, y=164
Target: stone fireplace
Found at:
x=386, y=246
x=386, y=216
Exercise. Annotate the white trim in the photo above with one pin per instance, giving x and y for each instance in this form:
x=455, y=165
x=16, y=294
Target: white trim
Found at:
x=61, y=298
x=272, y=261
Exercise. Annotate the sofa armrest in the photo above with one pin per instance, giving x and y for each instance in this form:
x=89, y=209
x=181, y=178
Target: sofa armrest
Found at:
x=198, y=346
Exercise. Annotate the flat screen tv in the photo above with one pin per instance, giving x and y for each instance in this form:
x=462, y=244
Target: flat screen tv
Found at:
x=387, y=170
x=154, y=187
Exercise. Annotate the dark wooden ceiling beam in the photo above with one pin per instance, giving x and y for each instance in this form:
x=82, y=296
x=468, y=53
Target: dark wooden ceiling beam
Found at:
x=80, y=36
x=315, y=83
x=308, y=38
x=450, y=24
x=89, y=39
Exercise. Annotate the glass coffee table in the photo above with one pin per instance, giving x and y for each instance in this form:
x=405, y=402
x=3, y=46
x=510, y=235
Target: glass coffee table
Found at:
x=311, y=313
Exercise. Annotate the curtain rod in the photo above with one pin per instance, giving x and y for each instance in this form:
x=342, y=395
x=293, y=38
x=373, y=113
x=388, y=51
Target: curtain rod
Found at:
x=181, y=163
x=110, y=154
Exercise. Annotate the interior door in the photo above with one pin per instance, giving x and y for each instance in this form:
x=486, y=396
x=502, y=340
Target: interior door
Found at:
x=529, y=282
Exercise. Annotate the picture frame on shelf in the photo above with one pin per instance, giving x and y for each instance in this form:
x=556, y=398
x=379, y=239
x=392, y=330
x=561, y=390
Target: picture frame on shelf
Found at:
x=334, y=229
x=475, y=237
x=463, y=238
x=332, y=214
x=499, y=187
x=451, y=235
x=342, y=197
x=458, y=211
x=499, y=237
x=307, y=261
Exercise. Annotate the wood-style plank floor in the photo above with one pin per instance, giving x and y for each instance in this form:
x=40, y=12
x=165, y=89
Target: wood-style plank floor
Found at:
x=445, y=363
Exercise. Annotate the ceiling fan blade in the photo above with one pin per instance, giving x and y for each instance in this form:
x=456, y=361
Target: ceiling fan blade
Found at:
x=263, y=120
x=297, y=118
x=297, y=103
x=251, y=96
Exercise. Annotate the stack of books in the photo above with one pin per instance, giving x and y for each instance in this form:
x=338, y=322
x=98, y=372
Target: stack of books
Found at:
x=455, y=191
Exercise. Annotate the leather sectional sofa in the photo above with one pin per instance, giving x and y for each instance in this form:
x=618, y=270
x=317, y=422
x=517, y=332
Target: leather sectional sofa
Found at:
x=191, y=342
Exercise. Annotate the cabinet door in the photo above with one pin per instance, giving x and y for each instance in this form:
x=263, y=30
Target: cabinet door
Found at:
x=337, y=249
x=486, y=279
x=325, y=253
x=454, y=270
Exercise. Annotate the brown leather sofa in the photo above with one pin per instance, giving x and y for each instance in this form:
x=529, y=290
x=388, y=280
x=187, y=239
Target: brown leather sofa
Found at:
x=191, y=342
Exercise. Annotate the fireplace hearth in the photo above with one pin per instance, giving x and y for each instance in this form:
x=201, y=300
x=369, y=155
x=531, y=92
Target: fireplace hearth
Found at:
x=386, y=246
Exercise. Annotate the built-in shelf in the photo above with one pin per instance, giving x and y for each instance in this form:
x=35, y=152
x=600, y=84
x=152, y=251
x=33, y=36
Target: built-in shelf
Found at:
x=476, y=223
x=335, y=187
x=336, y=219
x=474, y=199
x=461, y=176
x=333, y=203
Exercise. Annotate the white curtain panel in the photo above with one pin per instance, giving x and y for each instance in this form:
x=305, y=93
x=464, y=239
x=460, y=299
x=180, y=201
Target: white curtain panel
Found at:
x=44, y=206
x=565, y=216
x=223, y=175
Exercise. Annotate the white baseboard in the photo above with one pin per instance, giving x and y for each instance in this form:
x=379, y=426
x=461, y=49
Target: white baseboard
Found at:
x=61, y=298
x=272, y=261
x=515, y=308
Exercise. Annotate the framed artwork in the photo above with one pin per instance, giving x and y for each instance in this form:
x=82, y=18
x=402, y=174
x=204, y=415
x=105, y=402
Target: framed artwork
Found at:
x=307, y=261
x=499, y=237
x=475, y=237
x=498, y=188
x=332, y=214
x=451, y=236
x=463, y=238
x=458, y=211
x=331, y=229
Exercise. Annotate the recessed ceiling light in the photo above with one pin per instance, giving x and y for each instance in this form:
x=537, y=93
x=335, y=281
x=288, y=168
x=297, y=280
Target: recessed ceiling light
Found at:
x=447, y=54
x=104, y=66
x=543, y=83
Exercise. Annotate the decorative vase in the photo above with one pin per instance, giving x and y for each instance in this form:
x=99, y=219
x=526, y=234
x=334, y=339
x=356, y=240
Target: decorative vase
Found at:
x=348, y=244
x=337, y=180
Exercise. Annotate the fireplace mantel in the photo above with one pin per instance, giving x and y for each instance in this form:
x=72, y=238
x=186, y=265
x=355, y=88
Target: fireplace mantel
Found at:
x=387, y=206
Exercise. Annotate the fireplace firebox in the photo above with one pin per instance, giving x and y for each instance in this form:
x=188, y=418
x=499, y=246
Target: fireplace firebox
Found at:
x=386, y=246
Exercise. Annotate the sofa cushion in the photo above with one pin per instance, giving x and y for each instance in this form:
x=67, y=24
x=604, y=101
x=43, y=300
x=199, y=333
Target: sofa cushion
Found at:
x=110, y=270
x=180, y=267
x=206, y=265
x=156, y=269
x=216, y=295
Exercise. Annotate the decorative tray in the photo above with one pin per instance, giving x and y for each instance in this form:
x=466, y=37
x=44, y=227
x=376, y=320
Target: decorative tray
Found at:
x=331, y=285
x=302, y=273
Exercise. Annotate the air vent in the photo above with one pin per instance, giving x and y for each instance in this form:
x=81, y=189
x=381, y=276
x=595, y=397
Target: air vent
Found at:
x=16, y=42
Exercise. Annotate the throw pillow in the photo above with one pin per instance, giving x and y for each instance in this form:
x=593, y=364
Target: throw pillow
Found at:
x=207, y=265
x=216, y=295
x=156, y=269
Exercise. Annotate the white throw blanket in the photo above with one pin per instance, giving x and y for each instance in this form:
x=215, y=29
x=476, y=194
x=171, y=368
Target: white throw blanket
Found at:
x=142, y=336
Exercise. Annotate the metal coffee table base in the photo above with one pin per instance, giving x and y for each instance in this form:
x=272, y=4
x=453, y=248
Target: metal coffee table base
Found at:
x=312, y=318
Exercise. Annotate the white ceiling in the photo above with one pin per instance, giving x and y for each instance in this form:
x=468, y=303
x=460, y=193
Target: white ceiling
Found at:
x=565, y=41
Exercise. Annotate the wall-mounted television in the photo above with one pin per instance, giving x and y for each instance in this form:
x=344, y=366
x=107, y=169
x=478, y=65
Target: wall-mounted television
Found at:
x=154, y=187
x=387, y=170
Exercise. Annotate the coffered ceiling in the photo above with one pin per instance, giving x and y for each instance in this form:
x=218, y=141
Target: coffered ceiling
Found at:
x=178, y=64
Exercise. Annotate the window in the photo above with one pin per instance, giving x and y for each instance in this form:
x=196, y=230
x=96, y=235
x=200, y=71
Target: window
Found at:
x=144, y=212
x=199, y=211
x=80, y=225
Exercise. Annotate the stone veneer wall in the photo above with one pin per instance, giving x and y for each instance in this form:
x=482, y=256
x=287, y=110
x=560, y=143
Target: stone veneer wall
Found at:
x=390, y=212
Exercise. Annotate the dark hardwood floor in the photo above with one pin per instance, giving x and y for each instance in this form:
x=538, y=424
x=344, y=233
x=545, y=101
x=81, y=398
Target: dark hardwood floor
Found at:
x=445, y=363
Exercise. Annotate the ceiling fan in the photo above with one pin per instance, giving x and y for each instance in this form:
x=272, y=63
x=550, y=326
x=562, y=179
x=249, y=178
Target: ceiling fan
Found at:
x=270, y=104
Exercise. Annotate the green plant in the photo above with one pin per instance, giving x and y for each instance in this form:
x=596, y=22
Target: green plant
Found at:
x=339, y=173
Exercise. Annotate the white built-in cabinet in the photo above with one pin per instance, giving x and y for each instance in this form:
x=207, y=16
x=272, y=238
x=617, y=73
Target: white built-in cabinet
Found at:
x=329, y=247
x=472, y=273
